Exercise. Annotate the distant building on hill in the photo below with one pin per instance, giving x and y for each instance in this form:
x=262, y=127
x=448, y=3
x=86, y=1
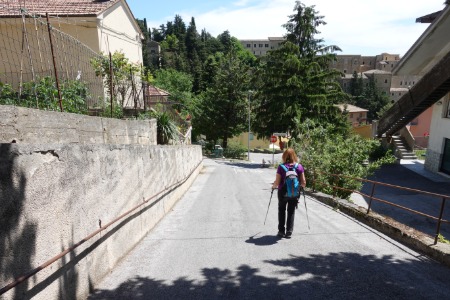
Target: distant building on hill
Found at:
x=260, y=47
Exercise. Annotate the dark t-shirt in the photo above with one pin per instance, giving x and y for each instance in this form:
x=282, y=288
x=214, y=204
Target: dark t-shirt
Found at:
x=282, y=172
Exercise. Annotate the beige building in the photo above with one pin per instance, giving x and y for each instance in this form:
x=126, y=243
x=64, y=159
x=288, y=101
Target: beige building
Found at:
x=378, y=67
x=102, y=26
x=357, y=116
x=262, y=46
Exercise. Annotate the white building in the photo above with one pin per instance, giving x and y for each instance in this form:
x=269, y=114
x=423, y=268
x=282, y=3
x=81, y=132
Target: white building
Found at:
x=429, y=58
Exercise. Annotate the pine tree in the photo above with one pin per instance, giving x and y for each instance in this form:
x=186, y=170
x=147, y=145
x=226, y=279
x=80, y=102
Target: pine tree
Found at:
x=296, y=82
x=224, y=105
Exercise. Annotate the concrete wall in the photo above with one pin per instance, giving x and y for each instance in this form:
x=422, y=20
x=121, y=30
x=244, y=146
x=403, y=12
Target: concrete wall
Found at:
x=24, y=125
x=53, y=196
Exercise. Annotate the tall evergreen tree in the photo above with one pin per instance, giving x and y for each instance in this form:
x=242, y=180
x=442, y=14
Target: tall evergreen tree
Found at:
x=192, y=52
x=356, y=87
x=224, y=105
x=296, y=81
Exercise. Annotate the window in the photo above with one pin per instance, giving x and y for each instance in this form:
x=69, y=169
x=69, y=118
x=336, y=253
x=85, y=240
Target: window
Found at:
x=401, y=82
x=345, y=71
x=254, y=45
x=351, y=116
x=249, y=45
x=364, y=63
x=266, y=45
x=445, y=164
x=385, y=81
x=260, y=45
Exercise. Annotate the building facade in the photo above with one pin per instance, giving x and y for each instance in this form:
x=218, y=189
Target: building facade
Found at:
x=260, y=47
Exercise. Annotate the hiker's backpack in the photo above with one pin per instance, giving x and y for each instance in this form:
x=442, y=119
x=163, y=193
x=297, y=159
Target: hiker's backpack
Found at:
x=291, y=187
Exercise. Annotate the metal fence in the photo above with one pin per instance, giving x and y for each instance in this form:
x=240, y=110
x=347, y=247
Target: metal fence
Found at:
x=436, y=202
x=38, y=61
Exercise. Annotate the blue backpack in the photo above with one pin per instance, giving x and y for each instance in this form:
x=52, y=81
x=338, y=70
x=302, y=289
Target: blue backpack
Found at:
x=291, y=187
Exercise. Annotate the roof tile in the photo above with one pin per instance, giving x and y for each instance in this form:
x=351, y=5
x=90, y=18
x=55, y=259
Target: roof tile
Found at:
x=55, y=7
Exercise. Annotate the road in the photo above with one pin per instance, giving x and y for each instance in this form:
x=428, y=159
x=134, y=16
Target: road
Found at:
x=213, y=245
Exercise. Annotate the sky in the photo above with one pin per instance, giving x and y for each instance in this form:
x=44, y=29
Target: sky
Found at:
x=366, y=27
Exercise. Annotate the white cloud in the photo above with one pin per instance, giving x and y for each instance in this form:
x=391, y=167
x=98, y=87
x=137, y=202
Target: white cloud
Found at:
x=357, y=26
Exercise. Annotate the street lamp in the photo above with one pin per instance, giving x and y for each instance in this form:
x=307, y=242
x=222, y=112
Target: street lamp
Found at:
x=248, y=144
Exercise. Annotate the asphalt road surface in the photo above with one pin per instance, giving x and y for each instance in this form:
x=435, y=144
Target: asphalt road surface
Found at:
x=213, y=245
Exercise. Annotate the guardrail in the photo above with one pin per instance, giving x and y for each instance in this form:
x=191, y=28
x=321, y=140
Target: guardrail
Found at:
x=372, y=197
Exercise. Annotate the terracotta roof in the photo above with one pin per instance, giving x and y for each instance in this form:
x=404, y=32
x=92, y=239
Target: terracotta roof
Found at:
x=55, y=7
x=350, y=108
x=154, y=91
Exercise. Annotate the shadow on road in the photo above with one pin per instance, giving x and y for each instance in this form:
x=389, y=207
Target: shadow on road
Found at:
x=332, y=276
x=266, y=240
x=244, y=165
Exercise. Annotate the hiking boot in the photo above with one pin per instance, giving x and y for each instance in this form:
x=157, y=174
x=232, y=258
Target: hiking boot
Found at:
x=288, y=234
x=280, y=234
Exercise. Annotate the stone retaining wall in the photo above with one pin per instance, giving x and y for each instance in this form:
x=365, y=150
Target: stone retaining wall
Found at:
x=25, y=125
x=67, y=176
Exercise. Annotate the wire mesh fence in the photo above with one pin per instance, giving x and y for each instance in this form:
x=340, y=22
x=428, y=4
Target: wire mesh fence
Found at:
x=43, y=67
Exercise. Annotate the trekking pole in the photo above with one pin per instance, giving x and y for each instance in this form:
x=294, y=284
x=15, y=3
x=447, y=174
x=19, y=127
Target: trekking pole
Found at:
x=271, y=194
x=306, y=208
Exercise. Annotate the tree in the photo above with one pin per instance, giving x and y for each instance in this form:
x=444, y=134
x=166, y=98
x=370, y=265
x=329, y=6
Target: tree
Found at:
x=372, y=99
x=324, y=153
x=192, y=52
x=179, y=85
x=296, y=81
x=356, y=87
x=224, y=106
x=124, y=74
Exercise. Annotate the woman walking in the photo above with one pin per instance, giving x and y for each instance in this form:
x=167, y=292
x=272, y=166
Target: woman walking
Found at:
x=286, y=203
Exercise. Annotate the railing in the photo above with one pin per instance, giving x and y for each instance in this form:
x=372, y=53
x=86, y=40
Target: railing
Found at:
x=372, y=197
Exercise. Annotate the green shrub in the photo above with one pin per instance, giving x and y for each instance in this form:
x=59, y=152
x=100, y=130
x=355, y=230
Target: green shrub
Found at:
x=166, y=128
x=43, y=94
x=235, y=151
x=325, y=153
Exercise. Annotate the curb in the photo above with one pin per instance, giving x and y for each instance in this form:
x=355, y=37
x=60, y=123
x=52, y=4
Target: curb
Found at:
x=408, y=236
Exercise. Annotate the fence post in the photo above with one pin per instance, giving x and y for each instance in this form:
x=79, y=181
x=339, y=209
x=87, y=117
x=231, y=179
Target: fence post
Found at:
x=111, y=83
x=314, y=180
x=334, y=185
x=439, y=221
x=371, y=197
x=54, y=61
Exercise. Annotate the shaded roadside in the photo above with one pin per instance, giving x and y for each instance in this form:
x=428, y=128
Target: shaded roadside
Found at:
x=412, y=175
